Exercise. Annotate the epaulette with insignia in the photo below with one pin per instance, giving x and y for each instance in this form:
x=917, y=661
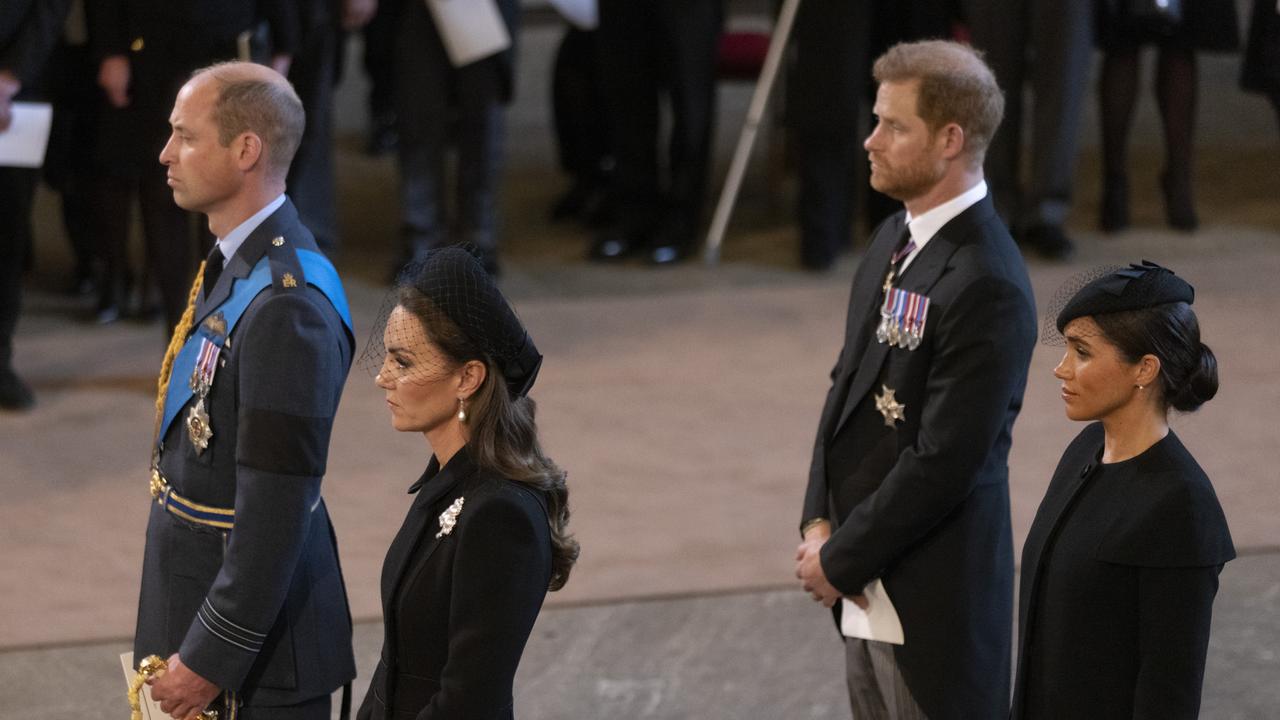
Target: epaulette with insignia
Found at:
x=286, y=269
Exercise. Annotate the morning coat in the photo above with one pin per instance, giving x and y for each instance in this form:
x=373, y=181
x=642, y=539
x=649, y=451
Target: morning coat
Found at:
x=924, y=505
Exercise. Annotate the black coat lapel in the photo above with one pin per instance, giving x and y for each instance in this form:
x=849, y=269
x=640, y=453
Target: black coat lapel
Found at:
x=421, y=524
x=864, y=300
x=919, y=277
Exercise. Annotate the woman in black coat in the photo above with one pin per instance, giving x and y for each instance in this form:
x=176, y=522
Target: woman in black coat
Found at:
x=1121, y=564
x=485, y=537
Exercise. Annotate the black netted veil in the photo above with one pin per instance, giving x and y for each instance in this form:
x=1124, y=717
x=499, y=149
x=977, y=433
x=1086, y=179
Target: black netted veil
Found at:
x=450, y=283
x=1049, y=333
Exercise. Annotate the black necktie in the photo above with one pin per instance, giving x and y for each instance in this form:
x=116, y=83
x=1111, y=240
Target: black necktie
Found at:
x=212, y=269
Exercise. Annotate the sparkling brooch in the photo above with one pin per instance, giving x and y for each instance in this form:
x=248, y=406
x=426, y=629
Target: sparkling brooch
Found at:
x=449, y=518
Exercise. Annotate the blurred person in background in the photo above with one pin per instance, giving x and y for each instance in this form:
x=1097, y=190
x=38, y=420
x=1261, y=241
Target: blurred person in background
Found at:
x=28, y=31
x=1121, y=33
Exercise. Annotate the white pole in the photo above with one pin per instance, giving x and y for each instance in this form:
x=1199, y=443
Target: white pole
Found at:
x=759, y=99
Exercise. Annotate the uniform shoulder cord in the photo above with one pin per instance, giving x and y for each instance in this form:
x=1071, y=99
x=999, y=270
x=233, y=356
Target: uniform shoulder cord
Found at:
x=170, y=354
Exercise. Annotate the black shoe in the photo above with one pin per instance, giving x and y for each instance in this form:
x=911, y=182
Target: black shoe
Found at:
x=615, y=243
x=670, y=253
x=14, y=394
x=1114, y=215
x=1049, y=242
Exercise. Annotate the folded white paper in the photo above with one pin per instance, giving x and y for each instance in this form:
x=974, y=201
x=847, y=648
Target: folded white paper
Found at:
x=878, y=622
x=583, y=14
x=23, y=144
x=150, y=708
x=471, y=30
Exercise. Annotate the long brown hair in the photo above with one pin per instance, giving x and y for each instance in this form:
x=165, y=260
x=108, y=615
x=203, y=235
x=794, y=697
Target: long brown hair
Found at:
x=503, y=433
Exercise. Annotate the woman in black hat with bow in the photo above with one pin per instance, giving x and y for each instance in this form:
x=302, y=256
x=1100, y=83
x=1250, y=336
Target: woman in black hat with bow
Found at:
x=1121, y=564
x=486, y=535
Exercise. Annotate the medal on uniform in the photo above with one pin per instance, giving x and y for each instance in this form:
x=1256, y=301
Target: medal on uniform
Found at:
x=902, y=318
x=892, y=410
x=199, y=428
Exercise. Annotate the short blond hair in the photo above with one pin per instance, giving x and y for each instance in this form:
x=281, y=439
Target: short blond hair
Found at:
x=956, y=86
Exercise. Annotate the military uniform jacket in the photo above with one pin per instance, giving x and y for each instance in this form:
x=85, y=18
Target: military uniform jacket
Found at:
x=1119, y=573
x=924, y=505
x=260, y=609
x=458, y=604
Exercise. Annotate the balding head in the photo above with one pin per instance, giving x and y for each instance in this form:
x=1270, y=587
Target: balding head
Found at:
x=254, y=98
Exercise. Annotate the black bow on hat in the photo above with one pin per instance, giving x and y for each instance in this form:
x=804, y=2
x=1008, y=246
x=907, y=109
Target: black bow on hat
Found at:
x=1131, y=288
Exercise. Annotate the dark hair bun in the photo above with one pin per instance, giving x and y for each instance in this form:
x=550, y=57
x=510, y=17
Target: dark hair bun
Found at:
x=1200, y=386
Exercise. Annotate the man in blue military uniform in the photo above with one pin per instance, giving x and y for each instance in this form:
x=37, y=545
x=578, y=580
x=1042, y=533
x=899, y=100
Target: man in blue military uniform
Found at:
x=241, y=587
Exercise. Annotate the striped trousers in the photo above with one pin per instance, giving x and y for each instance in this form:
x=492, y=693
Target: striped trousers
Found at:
x=876, y=688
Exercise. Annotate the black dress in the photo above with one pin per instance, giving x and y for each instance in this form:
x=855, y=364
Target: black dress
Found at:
x=459, y=599
x=1120, y=569
x=1207, y=25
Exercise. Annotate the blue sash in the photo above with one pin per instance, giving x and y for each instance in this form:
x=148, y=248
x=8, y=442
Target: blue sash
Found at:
x=319, y=273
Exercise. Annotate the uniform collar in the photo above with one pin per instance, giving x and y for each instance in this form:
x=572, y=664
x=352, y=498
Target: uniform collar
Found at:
x=229, y=244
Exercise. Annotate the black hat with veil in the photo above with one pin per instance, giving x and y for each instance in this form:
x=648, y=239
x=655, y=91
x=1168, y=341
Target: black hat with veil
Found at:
x=449, y=287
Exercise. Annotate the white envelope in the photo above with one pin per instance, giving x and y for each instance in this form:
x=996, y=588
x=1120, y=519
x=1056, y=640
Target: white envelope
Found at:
x=471, y=30
x=24, y=143
x=150, y=708
x=878, y=622
x=583, y=14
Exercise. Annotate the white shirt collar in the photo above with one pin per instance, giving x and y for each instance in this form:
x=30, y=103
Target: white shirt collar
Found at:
x=231, y=243
x=923, y=228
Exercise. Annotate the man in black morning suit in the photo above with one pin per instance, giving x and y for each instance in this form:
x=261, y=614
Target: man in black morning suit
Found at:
x=241, y=588
x=909, y=482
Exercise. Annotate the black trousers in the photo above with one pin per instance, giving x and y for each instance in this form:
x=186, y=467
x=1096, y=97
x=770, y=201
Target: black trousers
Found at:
x=311, y=176
x=647, y=51
x=828, y=88
x=320, y=708
x=438, y=105
x=577, y=101
x=17, y=191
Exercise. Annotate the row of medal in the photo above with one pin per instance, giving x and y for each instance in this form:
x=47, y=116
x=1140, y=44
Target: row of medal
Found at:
x=902, y=318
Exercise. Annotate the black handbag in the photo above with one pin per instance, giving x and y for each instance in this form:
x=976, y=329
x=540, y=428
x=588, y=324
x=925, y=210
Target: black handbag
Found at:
x=1157, y=16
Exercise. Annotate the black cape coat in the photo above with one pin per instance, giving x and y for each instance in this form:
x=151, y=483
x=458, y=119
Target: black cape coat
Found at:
x=1119, y=572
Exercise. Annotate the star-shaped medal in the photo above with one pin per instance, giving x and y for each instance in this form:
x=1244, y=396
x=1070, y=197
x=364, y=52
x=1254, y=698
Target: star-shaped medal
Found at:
x=889, y=407
x=198, y=427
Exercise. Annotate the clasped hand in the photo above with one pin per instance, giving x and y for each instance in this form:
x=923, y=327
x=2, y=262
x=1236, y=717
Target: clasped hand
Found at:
x=810, y=573
x=180, y=691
